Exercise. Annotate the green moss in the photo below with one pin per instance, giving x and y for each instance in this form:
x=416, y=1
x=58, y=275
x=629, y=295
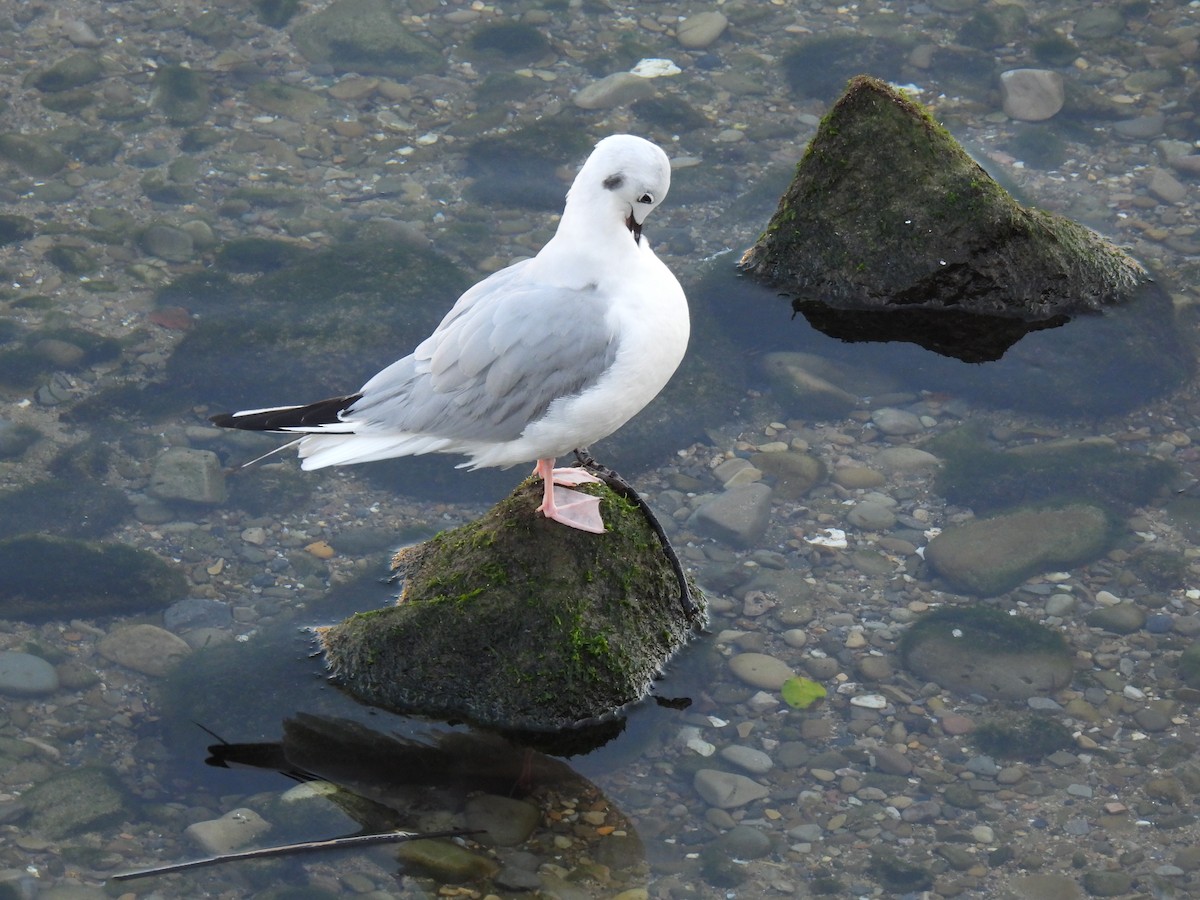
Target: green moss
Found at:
x=518, y=622
x=883, y=184
x=181, y=94
x=898, y=875
x=1038, y=145
x=987, y=480
x=1054, y=49
x=513, y=40
x=43, y=577
x=69, y=508
x=276, y=13
x=1027, y=737
x=14, y=228
x=1188, y=666
x=1161, y=570
x=258, y=255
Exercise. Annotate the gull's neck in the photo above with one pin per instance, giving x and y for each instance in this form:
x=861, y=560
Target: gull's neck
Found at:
x=592, y=229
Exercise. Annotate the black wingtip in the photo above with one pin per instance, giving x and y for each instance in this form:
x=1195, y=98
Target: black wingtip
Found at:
x=323, y=412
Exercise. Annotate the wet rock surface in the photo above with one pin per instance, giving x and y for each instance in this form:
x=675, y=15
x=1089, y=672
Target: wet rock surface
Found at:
x=519, y=623
x=990, y=556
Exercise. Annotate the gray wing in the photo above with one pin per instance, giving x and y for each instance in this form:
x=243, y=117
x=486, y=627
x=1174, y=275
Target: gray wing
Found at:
x=503, y=354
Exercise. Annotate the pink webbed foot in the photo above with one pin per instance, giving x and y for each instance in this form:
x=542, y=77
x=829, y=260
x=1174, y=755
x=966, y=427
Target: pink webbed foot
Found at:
x=574, y=475
x=561, y=504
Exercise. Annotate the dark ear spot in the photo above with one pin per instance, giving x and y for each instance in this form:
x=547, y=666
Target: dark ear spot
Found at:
x=612, y=182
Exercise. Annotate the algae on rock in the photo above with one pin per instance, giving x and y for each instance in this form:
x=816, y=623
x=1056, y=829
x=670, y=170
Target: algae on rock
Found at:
x=887, y=210
x=516, y=622
x=44, y=577
x=977, y=649
x=367, y=37
x=987, y=557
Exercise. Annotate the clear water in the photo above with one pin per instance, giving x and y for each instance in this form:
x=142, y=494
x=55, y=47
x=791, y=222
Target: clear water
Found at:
x=338, y=160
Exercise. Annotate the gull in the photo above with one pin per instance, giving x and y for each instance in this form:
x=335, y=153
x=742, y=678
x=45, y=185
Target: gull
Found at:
x=539, y=359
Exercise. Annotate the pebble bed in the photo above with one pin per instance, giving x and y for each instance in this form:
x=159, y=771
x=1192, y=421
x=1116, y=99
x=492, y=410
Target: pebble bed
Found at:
x=877, y=791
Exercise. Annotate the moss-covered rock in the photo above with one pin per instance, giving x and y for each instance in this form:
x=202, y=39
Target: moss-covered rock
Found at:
x=990, y=556
x=16, y=439
x=44, y=577
x=899, y=876
x=516, y=622
x=32, y=154
x=364, y=36
x=517, y=168
x=69, y=72
x=511, y=41
x=886, y=210
x=980, y=650
x=76, y=800
x=181, y=94
x=15, y=228
x=890, y=232
x=976, y=475
x=38, y=353
x=1029, y=736
x=76, y=508
x=276, y=13
x=285, y=99
x=821, y=66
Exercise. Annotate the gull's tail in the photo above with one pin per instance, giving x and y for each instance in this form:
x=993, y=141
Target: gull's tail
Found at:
x=322, y=417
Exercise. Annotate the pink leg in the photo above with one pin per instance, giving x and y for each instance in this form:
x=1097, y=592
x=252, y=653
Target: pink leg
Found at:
x=572, y=508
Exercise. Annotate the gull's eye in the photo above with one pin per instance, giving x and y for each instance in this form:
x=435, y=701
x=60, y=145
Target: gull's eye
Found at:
x=646, y=198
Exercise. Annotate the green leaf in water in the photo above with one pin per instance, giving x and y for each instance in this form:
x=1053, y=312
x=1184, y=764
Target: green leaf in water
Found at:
x=801, y=693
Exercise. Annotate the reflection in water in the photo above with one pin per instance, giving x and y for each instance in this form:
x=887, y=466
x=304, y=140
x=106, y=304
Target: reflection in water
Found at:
x=1090, y=364
x=970, y=337
x=377, y=206
x=386, y=783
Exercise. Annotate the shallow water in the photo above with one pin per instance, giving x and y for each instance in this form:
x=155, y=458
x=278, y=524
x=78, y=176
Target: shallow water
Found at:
x=118, y=340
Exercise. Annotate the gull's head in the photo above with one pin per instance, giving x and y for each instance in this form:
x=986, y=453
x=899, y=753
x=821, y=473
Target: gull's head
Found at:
x=625, y=174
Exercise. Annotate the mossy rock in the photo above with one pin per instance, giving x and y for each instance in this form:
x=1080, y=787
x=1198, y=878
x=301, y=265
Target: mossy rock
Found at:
x=367, y=37
x=821, y=66
x=981, y=650
x=15, y=228
x=16, y=439
x=94, y=147
x=69, y=72
x=43, y=577
x=669, y=113
x=889, y=231
x=899, y=875
x=976, y=475
x=181, y=94
x=32, y=154
x=1028, y=736
x=76, y=800
x=1188, y=665
x=255, y=254
x=276, y=13
x=519, y=623
x=887, y=211
x=77, y=508
x=518, y=168
x=987, y=557
x=510, y=41
x=33, y=357
x=286, y=100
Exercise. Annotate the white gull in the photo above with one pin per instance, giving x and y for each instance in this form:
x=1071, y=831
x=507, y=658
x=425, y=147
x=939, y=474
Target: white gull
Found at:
x=544, y=357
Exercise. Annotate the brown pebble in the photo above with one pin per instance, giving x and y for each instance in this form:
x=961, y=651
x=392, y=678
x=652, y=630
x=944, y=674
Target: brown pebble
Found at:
x=952, y=723
x=320, y=549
